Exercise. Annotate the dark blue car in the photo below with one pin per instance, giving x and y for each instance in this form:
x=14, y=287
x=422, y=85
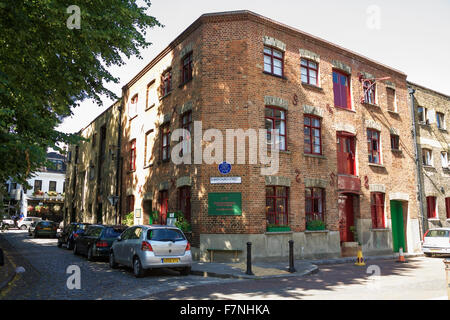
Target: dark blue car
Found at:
x=70, y=233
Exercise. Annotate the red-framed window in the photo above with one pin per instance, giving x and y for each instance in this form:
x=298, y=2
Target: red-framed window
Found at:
x=341, y=90
x=373, y=144
x=165, y=142
x=273, y=61
x=277, y=205
x=395, y=142
x=312, y=135
x=130, y=204
x=132, y=111
x=186, y=71
x=390, y=95
x=186, y=123
x=133, y=155
x=309, y=72
x=431, y=207
x=369, y=88
x=314, y=204
x=377, y=210
x=447, y=207
x=184, y=202
x=275, y=118
x=166, y=83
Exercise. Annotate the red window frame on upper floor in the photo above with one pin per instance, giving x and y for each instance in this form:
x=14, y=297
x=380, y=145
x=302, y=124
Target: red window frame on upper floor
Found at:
x=373, y=144
x=377, y=210
x=369, y=89
x=133, y=155
x=186, y=71
x=341, y=90
x=277, y=205
x=312, y=134
x=309, y=71
x=431, y=207
x=272, y=117
x=272, y=55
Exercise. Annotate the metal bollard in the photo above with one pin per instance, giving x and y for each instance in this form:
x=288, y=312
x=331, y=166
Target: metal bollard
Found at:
x=291, y=257
x=2, y=258
x=249, y=259
x=447, y=271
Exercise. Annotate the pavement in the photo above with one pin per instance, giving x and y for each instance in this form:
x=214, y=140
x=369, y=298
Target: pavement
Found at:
x=7, y=271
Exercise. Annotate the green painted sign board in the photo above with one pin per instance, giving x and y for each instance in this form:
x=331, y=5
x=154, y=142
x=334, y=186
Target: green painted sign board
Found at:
x=224, y=204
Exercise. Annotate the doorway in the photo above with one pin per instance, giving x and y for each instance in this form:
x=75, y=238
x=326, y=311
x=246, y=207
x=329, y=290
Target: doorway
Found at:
x=346, y=217
x=398, y=230
x=345, y=144
x=163, y=205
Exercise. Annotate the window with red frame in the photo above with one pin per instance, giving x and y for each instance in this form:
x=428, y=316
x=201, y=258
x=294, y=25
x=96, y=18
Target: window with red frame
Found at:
x=309, y=71
x=275, y=118
x=133, y=155
x=277, y=205
x=377, y=209
x=447, y=207
x=312, y=135
x=373, y=143
x=369, y=88
x=184, y=202
x=165, y=142
x=314, y=204
x=186, y=123
x=431, y=207
x=132, y=111
x=166, y=83
x=130, y=204
x=273, y=61
x=186, y=72
x=341, y=90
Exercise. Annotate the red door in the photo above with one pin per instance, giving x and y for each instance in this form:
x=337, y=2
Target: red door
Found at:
x=346, y=154
x=346, y=217
x=163, y=204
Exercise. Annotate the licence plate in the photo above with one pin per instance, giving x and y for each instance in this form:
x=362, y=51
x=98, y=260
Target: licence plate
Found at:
x=47, y=229
x=434, y=250
x=170, y=260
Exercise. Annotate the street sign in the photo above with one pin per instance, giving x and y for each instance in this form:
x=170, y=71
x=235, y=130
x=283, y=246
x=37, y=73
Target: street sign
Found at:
x=224, y=204
x=225, y=180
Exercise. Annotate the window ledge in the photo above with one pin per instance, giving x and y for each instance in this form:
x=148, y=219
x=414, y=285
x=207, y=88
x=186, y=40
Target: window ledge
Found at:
x=427, y=166
x=379, y=229
x=274, y=75
x=423, y=124
x=148, y=166
x=395, y=113
x=443, y=130
x=316, y=231
x=186, y=82
x=278, y=232
x=150, y=107
x=166, y=95
x=367, y=104
x=434, y=219
x=344, y=109
x=131, y=171
x=311, y=86
x=397, y=150
x=131, y=118
x=376, y=165
x=314, y=156
x=284, y=151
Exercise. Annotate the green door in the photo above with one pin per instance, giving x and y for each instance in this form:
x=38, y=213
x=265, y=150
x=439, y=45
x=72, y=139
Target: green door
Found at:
x=398, y=234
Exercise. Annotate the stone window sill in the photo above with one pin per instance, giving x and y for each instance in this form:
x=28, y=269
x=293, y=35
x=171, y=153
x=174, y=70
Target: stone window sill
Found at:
x=278, y=232
x=434, y=219
x=314, y=156
x=166, y=95
x=274, y=75
x=149, y=107
x=395, y=113
x=311, y=86
x=317, y=231
x=367, y=104
x=376, y=165
x=345, y=109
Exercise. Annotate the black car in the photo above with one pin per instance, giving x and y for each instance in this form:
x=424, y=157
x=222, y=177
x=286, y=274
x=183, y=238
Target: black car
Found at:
x=97, y=240
x=70, y=232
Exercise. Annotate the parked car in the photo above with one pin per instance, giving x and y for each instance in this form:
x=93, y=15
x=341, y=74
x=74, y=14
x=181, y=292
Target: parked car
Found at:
x=44, y=228
x=25, y=222
x=31, y=228
x=96, y=241
x=7, y=221
x=70, y=232
x=436, y=241
x=145, y=247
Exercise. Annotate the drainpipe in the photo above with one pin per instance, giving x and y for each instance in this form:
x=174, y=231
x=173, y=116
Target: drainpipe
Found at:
x=118, y=155
x=411, y=92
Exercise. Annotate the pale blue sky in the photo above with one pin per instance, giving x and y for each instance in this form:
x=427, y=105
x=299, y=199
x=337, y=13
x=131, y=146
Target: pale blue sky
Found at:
x=413, y=36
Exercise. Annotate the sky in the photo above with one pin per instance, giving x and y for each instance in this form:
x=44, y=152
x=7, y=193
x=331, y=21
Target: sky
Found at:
x=410, y=36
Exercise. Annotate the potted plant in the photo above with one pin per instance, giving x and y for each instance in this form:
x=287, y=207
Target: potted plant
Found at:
x=277, y=228
x=314, y=225
x=129, y=219
x=355, y=234
x=182, y=223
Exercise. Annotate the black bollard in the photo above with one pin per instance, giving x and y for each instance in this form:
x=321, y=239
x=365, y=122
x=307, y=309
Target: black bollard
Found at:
x=2, y=259
x=249, y=259
x=291, y=256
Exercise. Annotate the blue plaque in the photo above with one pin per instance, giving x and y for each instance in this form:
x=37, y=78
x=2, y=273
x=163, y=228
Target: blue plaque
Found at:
x=224, y=168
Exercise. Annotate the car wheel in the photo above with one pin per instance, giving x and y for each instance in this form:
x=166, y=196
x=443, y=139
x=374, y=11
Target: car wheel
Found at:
x=90, y=254
x=185, y=271
x=112, y=260
x=59, y=244
x=75, y=249
x=137, y=268
x=427, y=254
x=23, y=227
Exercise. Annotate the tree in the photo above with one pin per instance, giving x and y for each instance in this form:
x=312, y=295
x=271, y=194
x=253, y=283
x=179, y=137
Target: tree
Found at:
x=49, y=64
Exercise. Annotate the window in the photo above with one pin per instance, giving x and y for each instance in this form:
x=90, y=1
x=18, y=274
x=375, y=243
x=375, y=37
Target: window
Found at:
x=440, y=120
x=186, y=73
x=395, y=142
x=341, y=90
x=52, y=186
x=276, y=119
x=277, y=205
x=427, y=157
x=165, y=143
x=37, y=185
x=150, y=98
x=373, y=143
x=149, y=139
x=133, y=155
x=312, y=133
x=391, y=101
x=423, y=116
x=273, y=61
x=309, y=72
x=130, y=204
x=369, y=88
x=444, y=159
x=186, y=123
x=166, y=83
x=431, y=208
x=132, y=111
x=377, y=209
x=184, y=202
x=315, y=204
x=447, y=207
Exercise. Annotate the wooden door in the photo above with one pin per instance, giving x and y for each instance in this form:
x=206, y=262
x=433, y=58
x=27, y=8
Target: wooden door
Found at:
x=346, y=154
x=163, y=205
x=346, y=217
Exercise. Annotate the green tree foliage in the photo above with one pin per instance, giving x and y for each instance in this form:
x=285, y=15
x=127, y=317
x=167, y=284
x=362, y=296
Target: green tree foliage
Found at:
x=47, y=69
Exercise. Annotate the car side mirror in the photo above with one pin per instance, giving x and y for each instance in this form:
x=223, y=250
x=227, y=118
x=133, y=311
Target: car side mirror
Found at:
x=119, y=238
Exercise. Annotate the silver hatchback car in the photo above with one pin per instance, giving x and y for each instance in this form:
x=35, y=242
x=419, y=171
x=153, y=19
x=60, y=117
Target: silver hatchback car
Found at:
x=144, y=247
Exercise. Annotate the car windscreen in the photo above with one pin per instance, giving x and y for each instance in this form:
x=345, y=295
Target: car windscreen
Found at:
x=46, y=223
x=81, y=227
x=438, y=233
x=165, y=235
x=112, y=232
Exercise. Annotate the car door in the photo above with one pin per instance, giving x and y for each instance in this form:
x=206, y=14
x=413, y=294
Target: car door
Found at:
x=128, y=246
x=118, y=248
x=134, y=244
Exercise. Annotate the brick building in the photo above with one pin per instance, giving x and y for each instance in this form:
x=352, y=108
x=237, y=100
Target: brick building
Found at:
x=346, y=158
x=431, y=118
